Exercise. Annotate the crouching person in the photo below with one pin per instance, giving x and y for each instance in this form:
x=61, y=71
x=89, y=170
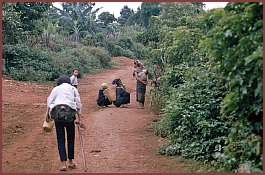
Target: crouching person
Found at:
x=62, y=105
x=103, y=100
x=122, y=96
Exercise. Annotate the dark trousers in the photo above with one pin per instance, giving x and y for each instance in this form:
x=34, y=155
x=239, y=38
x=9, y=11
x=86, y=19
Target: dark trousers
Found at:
x=70, y=132
x=103, y=102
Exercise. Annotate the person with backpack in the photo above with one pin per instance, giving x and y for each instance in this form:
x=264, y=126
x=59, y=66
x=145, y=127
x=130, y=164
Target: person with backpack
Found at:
x=62, y=105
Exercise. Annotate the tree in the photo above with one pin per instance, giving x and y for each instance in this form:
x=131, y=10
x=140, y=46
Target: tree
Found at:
x=143, y=14
x=175, y=11
x=134, y=18
x=199, y=4
x=125, y=13
x=32, y=14
x=106, y=18
x=22, y=20
x=77, y=18
x=148, y=9
x=11, y=29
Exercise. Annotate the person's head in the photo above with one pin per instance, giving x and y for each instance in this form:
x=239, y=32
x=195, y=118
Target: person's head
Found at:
x=117, y=81
x=156, y=66
x=104, y=86
x=154, y=83
x=63, y=79
x=137, y=63
x=75, y=71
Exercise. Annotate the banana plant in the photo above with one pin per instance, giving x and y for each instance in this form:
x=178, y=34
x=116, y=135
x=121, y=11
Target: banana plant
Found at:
x=77, y=18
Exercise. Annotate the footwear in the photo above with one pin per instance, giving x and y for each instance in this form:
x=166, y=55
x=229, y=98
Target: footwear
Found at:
x=62, y=169
x=73, y=166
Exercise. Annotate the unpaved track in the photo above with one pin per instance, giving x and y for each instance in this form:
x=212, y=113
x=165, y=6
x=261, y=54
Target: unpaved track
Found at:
x=117, y=140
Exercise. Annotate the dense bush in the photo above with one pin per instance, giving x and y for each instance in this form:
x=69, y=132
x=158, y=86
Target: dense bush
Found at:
x=213, y=109
x=101, y=55
x=41, y=64
x=236, y=43
x=23, y=63
x=192, y=116
x=119, y=51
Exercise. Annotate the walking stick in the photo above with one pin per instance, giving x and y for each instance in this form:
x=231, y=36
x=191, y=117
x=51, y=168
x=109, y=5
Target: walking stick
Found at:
x=81, y=143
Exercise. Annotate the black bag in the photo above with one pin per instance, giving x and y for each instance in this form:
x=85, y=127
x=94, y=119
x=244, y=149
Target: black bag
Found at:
x=63, y=113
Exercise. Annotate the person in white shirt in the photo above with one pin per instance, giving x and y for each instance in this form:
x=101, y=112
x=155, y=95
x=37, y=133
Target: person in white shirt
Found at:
x=73, y=78
x=64, y=101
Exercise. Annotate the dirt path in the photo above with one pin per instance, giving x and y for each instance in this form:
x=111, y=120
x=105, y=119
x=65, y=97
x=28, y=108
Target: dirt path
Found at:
x=117, y=140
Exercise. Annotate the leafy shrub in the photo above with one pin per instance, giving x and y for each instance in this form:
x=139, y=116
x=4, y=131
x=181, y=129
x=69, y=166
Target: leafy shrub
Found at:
x=236, y=43
x=23, y=63
x=119, y=51
x=192, y=116
x=101, y=55
x=40, y=64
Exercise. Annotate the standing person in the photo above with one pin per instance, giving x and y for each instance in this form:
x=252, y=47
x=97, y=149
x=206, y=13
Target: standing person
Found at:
x=138, y=66
x=73, y=78
x=62, y=105
x=140, y=85
x=157, y=74
x=103, y=100
x=122, y=96
x=155, y=97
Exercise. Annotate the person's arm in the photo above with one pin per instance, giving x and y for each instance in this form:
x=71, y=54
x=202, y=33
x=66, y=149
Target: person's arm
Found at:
x=78, y=107
x=72, y=79
x=123, y=85
x=46, y=117
x=52, y=96
x=146, y=79
x=105, y=93
x=50, y=100
x=138, y=79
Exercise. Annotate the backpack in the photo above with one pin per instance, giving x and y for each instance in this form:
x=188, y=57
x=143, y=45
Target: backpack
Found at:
x=63, y=113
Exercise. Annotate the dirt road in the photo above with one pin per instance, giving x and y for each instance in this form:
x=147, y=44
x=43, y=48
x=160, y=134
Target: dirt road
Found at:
x=117, y=140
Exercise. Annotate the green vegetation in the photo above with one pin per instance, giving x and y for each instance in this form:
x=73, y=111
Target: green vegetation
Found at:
x=211, y=98
x=212, y=85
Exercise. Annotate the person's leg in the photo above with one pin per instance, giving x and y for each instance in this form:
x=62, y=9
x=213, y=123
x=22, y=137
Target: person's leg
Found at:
x=60, y=134
x=70, y=129
x=143, y=97
x=140, y=94
x=107, y=102
x=143, y=100
x=101, y=102
x=140, y=99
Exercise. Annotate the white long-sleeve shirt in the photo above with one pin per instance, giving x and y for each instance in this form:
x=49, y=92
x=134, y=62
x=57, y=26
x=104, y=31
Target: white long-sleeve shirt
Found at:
x=65, y=94
x=73, y=80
